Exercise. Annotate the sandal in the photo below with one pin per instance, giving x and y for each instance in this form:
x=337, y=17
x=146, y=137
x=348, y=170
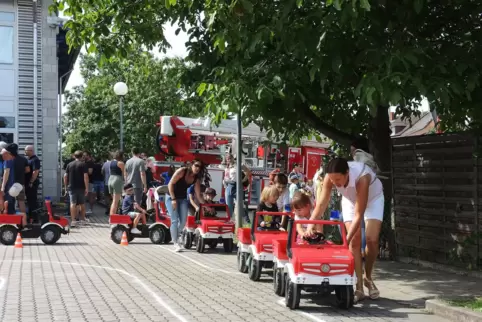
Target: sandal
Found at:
x=359, y=296
x=373, y=291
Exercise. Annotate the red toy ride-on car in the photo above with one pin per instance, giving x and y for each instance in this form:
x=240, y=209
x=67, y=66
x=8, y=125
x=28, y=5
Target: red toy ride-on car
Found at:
x=49, y=229
x=212, y=227
x=319, y=264
x=157, y=228
x=260, y=251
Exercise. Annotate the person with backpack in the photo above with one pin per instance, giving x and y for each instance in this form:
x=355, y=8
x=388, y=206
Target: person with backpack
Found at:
x=362, y=200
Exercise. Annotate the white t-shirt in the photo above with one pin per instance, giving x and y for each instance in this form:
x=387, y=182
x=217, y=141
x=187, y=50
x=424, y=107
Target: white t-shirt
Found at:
x=356, y=171
x=283, y=199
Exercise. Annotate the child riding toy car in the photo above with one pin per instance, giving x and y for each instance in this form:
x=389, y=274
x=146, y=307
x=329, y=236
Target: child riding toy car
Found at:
x=157, y=230
x=49, y=229
x=319, y=264
x=213, y=227
x=265, y=230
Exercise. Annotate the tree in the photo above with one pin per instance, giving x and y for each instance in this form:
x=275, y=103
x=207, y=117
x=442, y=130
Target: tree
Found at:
x=331, y=66
x=92, y=119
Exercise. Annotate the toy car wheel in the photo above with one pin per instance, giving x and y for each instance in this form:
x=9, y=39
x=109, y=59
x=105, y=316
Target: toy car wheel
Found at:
x=200, y=245
x=157, y=235
x=254, y=269
x=241, y=258
x=116, y=234
x=292, y=294
x=167, y=234
x=50, y=234
x=187, y=239
x=345, y=296
x=228, y=245
x=278, y=281
x=8, y=235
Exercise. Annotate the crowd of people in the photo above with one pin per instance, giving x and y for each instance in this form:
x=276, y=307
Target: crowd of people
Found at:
x=19, y=177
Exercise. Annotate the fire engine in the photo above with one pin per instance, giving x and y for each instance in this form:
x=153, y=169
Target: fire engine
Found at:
x=182, y=139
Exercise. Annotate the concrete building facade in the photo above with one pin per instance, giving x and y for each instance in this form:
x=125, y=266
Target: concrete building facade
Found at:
x=29, y=83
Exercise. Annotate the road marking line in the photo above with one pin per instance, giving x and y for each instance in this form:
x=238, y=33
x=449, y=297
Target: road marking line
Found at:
x=2, y=282
x=305, y=314
x=201, y=264
x=108, y=268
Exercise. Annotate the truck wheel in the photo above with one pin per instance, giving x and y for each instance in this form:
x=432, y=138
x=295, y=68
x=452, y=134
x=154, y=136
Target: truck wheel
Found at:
x=345, y=297
x=242, y=267
x=278, y=281
x=254, y=268
x=157, y=235
x=228, y=245
x=187, y=240
x=8, y=235
x=292, y=294
x=50, y=234
x=200, y=245
x=116, y=234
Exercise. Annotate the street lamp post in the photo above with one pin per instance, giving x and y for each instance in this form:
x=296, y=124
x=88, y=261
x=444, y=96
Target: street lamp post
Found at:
x=120, y=89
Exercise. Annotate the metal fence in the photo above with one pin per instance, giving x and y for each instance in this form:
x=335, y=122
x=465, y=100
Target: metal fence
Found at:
x=436, y=188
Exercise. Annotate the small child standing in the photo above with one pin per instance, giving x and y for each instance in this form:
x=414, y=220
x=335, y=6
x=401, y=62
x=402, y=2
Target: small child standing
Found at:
x=269, y=196
x=132, y=209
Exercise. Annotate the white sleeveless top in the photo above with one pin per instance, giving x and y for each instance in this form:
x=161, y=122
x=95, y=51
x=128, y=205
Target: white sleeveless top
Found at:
x=356, y=171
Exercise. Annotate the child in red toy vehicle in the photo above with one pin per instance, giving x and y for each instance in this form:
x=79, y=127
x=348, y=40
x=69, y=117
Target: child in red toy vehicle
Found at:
x=269, y=196
x=302, y=207
x=209, y=195
x=132, y=208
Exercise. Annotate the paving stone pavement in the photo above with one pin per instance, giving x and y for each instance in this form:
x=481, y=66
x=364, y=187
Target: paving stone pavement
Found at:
x=86, y=277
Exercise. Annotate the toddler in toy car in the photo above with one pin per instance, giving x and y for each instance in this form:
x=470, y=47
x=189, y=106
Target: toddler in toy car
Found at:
x=269, y=196
x=133, y=209
x=302, y=206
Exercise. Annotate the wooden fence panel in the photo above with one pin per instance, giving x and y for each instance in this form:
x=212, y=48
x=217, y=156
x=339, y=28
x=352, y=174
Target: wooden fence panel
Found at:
x=436, y=184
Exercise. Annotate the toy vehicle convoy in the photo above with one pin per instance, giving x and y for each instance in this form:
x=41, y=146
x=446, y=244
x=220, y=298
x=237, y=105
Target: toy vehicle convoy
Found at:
x=157, y=227
x=213, y=227
x=260, y=251
x=50, y=227
x=320, y=264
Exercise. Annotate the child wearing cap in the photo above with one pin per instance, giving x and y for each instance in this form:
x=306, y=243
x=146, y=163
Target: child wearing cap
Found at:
x=294, y=186
x=132, y=208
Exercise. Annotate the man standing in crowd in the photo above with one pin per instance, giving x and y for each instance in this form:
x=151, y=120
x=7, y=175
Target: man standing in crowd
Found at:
x=67, y=197
x=89, y=163
x=16, y=167
x=97, y=179
x=32, y=182
x=76, y=181
x=135, y=174
x=106, y=173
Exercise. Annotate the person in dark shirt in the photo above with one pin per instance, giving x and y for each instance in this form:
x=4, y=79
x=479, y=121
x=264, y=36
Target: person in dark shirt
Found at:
x=32, y=182
x=97, y=179
x=131, y=208
x=76, y=181
x=66, y=196
x=269, y=196
x=89, y=162
x=19, y=166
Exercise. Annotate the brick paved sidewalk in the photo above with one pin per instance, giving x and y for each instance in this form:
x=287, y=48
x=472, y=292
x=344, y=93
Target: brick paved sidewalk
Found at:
x=86, y=277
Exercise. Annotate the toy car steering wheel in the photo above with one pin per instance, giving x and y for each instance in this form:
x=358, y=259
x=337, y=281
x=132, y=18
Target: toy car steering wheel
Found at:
x=318, y=238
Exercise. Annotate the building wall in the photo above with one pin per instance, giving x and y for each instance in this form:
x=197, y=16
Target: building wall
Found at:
x=17, y=86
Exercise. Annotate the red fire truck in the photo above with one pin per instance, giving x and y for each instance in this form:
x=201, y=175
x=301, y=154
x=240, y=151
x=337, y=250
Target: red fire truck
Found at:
x=182, y=139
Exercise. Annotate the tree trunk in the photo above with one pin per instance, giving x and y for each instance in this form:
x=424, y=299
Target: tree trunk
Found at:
x=380, y=147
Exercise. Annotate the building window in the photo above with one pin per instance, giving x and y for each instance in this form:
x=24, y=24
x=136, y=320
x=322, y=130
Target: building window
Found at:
x=6, y=49
x=7, y=16
x=7, y=122
x=6, y=137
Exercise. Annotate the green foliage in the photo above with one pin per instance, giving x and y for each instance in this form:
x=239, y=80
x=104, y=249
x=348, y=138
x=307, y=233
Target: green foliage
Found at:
x=92, y=119
x=295, y=66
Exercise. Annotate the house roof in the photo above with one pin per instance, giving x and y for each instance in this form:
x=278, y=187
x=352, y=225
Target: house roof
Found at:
x=413, y=125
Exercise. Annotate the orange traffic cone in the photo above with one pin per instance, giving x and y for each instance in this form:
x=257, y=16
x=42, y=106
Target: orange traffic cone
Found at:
x=124, y=240
x=18, y=242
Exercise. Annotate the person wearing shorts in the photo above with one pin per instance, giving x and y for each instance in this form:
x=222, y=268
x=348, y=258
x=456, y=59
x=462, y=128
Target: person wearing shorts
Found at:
x=116, y=181
x=135, y=174
x=76, y=181
x=362, y=200
x=131, y=208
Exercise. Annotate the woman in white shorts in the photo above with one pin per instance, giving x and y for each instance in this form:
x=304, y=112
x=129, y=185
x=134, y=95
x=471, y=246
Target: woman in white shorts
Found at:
x=362, y=200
